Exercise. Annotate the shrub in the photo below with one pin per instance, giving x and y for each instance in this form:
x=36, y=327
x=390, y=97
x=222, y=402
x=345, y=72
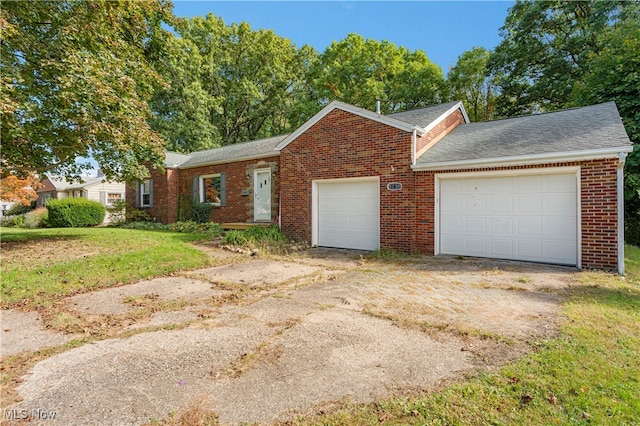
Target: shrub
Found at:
x=118, y=211
x=75, y=212
x=37, y=218
x=16, y=221
x=632, y=232
x=270, y=238
x=201, y=212
x=18, y=209
x=137, y=215
x=196, y=228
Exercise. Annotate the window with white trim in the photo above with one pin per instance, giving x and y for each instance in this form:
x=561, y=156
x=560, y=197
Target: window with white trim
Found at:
x=145, y=193
x=113, y=197
x=210, y=189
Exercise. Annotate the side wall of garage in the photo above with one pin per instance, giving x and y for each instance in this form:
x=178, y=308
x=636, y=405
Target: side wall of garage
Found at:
x=343, y=145
x=598, y=209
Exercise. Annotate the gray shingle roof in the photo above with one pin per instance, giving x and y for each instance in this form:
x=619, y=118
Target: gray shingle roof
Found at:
x=579, y=129
x=173, y=159
x=254, y=149
x=424, y=116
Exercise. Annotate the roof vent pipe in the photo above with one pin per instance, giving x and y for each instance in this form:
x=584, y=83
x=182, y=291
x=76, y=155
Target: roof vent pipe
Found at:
x=378, y=106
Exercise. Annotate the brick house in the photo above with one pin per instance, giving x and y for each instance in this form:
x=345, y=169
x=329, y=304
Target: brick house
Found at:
x=542, y=188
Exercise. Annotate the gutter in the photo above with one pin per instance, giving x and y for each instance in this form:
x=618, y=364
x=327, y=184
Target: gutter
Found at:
x=620, y=181
x=525, y=159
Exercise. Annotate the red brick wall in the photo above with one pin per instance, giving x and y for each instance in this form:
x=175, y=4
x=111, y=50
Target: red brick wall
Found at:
x=598, y=204
x=345, y=145
x=239, y=207
x=441, y=129
x=164, y=208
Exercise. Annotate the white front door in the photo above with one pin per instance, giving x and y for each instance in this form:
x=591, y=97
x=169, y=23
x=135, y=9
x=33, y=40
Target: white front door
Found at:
x=262, y=195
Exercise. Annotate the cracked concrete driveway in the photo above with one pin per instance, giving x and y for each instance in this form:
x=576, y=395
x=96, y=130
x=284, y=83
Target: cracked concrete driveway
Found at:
x=298, y=333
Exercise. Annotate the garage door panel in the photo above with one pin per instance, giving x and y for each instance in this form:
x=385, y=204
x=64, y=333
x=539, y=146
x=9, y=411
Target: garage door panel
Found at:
x=561, y=228
x=348, y=214
x=475, y=246
x=561, y=204
x=451, y=225
x=529, y=204
x=501, y=204
x=475, y=225
x=501, y=248
x=526, y=217
x=475, y=204
x=502, y=226
x=551, y=184
x=529, y=250
x=500, y=185
x=529, y=227
x=452, y=245
x=527, y=184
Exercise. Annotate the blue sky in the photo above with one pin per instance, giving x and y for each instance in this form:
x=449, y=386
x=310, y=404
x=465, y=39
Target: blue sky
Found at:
x=443, y=29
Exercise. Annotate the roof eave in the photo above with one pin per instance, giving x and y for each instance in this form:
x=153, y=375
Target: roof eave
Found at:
x=233, y=160
x=519, y=160
x=348, y=108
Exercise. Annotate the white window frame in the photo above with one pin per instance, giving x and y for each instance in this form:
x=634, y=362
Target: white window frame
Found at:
x=110, y=203
x=201, y=188
x=145, y=189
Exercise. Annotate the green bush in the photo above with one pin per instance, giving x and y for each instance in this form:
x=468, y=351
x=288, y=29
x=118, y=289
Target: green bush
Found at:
x=37, y=218
x=632, y=232
x=18, y=209
x=118, y=211
x=201, y=212
x=13, y=221
x=188, y=227
x=270, y=238
x=137, y=215
x=75, y=213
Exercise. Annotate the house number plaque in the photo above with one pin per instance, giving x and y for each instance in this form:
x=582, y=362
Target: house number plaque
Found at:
x=394, y=186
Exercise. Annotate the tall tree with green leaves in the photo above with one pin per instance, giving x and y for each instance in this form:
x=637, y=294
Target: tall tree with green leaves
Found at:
x=469, y=82
x=227, y=84
x=76, y=82
x=359, y=72
x=546, y=49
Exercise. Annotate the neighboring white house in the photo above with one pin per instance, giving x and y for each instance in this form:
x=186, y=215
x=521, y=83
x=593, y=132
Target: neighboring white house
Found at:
x=4, y=206
x=92, y=188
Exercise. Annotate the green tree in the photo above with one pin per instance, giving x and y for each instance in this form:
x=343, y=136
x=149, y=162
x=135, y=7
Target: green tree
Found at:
x=181, y=106
x=547, y=48
x=359, y=72
x=614, y=75
x=469, y=82
x=227, y=84
x=75, y=82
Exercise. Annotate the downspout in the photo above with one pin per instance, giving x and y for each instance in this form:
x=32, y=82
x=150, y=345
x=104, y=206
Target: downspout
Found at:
x=621, y=159
x=413, y=147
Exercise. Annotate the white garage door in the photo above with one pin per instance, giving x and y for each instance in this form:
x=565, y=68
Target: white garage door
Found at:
x=349, y=214
x=527, y=217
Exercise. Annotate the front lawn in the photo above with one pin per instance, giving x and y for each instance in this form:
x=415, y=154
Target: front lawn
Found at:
x=590, y=374
x=40, y=264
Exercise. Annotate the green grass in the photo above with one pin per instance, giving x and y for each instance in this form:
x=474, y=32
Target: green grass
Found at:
x=590, y=374
x=38, y=264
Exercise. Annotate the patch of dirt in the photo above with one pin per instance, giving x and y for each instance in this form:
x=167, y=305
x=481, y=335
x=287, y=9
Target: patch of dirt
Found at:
x=358, y=330
x=123, y=299
x=43, y=251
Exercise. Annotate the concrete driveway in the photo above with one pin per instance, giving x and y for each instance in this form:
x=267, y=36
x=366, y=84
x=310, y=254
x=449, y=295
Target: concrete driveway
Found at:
x=264, y=340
